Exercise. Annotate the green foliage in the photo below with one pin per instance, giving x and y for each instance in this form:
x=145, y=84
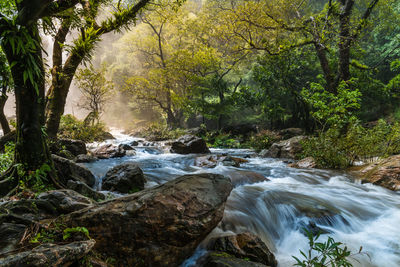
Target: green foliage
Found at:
x=262, y=140
x=6, y=158
x=331, y=109
x=337, y=149
x=72, y=128
x=326, y=254
x=160, y=132
x=222, y=140
x=37, y=180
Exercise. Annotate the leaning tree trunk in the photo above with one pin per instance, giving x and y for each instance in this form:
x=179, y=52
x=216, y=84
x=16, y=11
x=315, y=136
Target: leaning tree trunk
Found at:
x=3, y=119
x=31, y=150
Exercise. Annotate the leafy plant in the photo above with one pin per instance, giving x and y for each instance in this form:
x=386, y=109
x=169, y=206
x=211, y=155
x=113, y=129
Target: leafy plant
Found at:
x=324, y=254
x=6, y=158
x=72, y=128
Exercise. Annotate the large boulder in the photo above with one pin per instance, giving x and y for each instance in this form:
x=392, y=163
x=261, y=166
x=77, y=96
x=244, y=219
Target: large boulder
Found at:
x=385, y=172
x=50, y=255
x=189, y=144
x=124, y=178
x=161, y=226
x=244, y=246
x=219, y=259
x=109, y=151
x=285, y=149
x=69, y=170
x=76, y=147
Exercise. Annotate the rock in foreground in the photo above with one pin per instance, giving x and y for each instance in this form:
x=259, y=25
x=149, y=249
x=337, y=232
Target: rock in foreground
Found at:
x=124, y=178
x=49, y=255
x=161, y=226
x=189, y=144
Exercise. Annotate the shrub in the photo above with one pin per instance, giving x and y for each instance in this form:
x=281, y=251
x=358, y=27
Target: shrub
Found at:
x=6, y=158
x=222, y=140
x=72, y=128
x=327, y=254
x=262, y=140
x=161, y=132
x=334, y=149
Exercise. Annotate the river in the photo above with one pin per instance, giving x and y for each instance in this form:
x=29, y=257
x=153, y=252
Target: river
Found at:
x=278, y=210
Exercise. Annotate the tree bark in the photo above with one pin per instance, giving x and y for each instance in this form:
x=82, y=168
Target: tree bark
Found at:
x=345, y=39
x=3, y=119
x=31, y=150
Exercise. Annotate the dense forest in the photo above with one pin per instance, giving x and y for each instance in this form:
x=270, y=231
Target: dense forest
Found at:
x=199, y=132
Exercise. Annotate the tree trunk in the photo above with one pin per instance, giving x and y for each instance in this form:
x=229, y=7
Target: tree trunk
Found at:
x=345, y=41
x=31, y=150
x=61, y=80
x=3, y=119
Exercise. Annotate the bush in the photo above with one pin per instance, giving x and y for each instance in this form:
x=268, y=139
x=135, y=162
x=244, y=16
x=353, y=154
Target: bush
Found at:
x=72, y=128
x=6, y=158
x=327, y=254
x=262, y=140
x=222, y=140
x=334, y=149
x=161, y=132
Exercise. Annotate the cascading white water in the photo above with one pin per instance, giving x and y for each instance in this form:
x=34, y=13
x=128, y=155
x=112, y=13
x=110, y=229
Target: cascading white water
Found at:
x=279, y=209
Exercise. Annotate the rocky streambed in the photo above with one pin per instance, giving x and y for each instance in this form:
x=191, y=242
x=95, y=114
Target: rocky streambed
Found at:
x=231, y=207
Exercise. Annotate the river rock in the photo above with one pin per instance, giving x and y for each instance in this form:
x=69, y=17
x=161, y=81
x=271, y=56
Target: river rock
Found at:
x=84, y=158
x=134, y=143
x=76, y=147
x=385, y=172
x=50, y=255
x=189, y=144
x=109, y=151
x=219, y=259
x=105, y=136
x=244, y=246
x=245, y=177
x=124, y=178
x=85, y=190
x=65, y=201
x=285, y=149
x=211, y=161
x=126, y=147
x=69, y=170
x=306, y=163
x=160, y=226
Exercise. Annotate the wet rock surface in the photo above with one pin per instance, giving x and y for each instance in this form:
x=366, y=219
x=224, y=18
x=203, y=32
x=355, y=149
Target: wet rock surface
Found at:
x=161, y=226
x=189, y=144
x=109, y=151
x=69, y=170
x=212, y=161
x=285, y=149
x=244, y=246
x=124, y=178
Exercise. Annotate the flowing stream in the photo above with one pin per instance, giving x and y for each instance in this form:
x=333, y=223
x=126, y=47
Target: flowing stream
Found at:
x=278, y=210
